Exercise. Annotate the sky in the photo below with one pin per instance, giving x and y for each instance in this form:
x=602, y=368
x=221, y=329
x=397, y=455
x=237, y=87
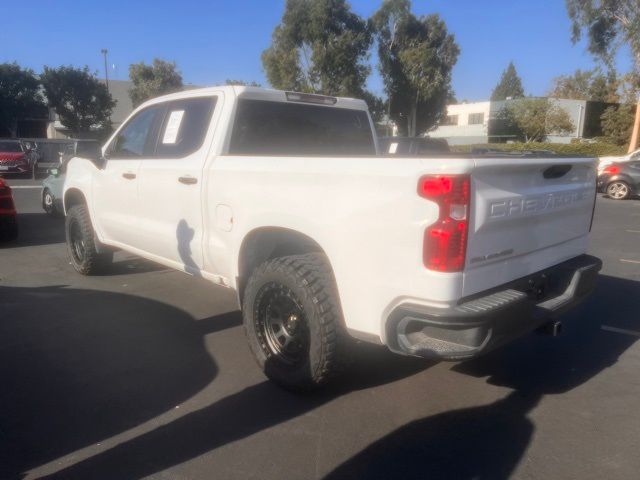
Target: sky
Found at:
x=212, y=41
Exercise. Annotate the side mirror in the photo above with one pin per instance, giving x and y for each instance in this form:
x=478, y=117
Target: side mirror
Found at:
x=54, y=171
x=92, y=152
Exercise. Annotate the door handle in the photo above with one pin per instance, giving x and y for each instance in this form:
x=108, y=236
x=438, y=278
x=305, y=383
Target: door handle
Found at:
x=188, y=180
x=129, y=175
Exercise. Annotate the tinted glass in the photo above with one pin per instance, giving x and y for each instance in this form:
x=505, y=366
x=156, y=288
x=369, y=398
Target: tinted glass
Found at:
x=185, y=125
x=277, y=128
x=136, y=139
x=10, y=147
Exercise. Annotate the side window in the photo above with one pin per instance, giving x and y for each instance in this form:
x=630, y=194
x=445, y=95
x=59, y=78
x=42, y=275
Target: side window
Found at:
x=136, y=139
x=185, y=125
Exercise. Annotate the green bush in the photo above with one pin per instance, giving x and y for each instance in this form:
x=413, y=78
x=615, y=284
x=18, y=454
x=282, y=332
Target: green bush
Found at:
x=598, y=149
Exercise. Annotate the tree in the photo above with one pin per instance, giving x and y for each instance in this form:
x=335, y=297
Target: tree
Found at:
x=416, y=55
x=320, y=46
x=377, y=105
x=617, y=123
x=19, y=96
x=586, y=85
x=509, y=86
x=241, y=83
x=149, y=81
x=535, y=118
x=81, y=101
x=609, y=24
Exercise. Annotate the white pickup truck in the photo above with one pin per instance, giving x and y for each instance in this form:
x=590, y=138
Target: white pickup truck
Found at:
x=284, y=198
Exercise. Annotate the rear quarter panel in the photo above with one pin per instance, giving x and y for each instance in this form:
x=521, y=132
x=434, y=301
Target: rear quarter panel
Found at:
x=364, y=212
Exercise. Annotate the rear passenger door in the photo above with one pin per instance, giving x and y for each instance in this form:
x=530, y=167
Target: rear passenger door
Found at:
x=170, y=184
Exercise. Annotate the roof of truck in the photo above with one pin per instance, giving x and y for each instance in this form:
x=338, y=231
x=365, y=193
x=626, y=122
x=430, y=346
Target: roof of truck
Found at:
x=260, y=93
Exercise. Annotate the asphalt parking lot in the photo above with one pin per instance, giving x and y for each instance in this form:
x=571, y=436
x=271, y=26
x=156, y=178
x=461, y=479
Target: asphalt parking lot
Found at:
x=145, y=372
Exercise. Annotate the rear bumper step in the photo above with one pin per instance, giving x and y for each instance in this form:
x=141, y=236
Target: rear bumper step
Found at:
x=485, y=321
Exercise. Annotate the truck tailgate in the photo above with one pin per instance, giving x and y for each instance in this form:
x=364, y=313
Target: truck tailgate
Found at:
x=526, y=214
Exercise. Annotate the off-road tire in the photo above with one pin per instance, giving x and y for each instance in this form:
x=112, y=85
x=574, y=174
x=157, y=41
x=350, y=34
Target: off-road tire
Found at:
x=90, y=262
x=310, y=280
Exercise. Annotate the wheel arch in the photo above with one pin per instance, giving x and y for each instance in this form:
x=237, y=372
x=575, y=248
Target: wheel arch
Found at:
x=264, y=243
x=72, y=197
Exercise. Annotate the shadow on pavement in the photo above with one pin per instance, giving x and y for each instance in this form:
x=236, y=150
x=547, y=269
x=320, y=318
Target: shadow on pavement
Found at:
x=37, y=229
x=489, y=441
x=75, y=379
x=78, y=366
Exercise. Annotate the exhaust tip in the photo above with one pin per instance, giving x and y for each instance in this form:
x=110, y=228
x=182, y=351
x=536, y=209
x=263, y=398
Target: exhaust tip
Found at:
x=553, y=328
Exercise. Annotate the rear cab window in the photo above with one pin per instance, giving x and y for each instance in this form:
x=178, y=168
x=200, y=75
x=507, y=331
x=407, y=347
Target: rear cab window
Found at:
x=271, y=128
x=185, y=126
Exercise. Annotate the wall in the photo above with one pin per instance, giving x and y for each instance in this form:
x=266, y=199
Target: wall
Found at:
x=463, y=133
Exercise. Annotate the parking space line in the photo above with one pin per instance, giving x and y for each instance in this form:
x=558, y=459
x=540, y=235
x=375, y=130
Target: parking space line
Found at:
x=620, y=330
x=633, y=231
x=624, y=260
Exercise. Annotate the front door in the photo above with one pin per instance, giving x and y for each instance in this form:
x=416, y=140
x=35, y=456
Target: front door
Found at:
x=115, y=187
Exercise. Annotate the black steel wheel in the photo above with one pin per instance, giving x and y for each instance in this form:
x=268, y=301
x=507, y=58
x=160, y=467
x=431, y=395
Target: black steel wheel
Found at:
x=281, y=324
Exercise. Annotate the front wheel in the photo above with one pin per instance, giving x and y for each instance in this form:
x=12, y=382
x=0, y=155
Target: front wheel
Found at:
x=81, y=243
x=618, y=190
x=293, y=322
x=48, y=202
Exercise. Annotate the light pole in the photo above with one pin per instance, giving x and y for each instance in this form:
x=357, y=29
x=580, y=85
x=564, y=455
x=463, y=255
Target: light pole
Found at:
x=104, y=52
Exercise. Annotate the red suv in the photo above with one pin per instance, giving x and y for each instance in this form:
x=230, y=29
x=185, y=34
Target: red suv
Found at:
x=8, y=223
x=15, y=158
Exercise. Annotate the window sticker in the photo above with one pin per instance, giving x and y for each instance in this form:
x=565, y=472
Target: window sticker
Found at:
x=393, y=147
x=173, y=127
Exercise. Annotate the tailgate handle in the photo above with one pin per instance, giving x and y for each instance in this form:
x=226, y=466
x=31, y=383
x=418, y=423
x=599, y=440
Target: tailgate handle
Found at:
x=556, y=171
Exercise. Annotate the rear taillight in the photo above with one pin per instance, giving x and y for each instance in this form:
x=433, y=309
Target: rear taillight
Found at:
x=611, y=169
x=445, y=241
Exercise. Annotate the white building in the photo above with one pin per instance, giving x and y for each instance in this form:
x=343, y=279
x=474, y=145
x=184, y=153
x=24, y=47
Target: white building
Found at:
x=465, y=123
x=476, y=122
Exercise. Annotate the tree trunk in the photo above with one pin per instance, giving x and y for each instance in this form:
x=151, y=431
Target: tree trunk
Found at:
x=633, y=145
x=412, y=119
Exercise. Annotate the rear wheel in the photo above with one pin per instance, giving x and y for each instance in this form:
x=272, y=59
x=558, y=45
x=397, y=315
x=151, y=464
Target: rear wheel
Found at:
x=292, y=321
x=618, y=190
x=81, y=243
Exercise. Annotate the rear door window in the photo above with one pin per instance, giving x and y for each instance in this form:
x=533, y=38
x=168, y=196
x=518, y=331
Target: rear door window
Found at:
x=184, y=127
x=291, y=129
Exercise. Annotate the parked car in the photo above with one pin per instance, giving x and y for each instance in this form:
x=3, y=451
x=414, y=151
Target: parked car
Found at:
x=412, y=145
x=8, y=221
x=620, y=180
x=16, y=158
x=629, y=157
x=52, y=192
x=285, y=198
